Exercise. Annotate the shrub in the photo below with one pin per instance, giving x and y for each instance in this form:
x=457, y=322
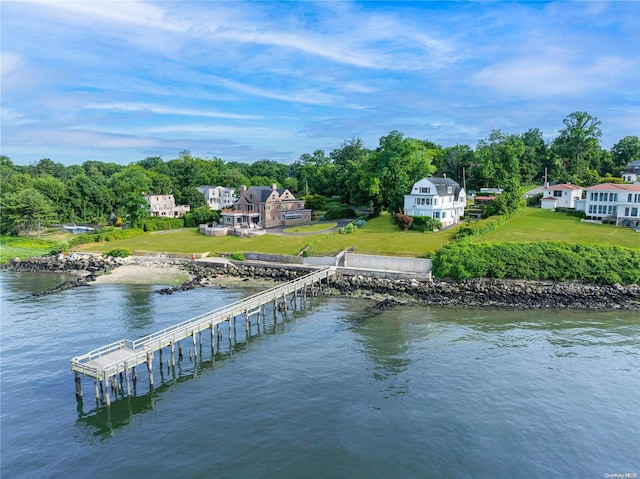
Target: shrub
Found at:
x=338, y=210
x=118, y=253
x=425, y=224
x=60, y=247
x=538, y=261
x=162, y=224
x=238, y=257
x=403, y=221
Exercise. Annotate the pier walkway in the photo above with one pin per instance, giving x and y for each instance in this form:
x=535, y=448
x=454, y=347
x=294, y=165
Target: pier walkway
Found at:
x=105, y=363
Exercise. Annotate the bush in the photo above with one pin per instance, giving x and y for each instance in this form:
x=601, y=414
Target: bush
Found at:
x=60, y=247
x=338, y=210
x=425, y=223
x=481, y=227
x=538, y=261
x=238, y=257
x=107, y=234
x=162, y=224
x=118, y=253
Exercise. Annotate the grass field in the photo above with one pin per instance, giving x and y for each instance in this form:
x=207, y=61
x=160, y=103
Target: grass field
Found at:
x=12, y=247
x=379, y=236
x=310, y=228
x=535, y=224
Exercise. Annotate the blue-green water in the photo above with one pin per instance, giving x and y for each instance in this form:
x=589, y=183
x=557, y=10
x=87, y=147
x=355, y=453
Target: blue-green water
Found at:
x=331, y=391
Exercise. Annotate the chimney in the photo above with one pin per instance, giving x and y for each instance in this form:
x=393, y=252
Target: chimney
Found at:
x=243, y=190
x=274, y=186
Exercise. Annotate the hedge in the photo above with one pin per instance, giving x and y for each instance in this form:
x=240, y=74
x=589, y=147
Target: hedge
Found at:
x=162, y=224
x=107, y=234
x=555, y=261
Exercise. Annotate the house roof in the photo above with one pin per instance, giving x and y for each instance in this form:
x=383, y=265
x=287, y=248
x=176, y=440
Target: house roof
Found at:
x=614, y=187
x=441, y=185
x=549, y=198
x=263, y=192
x=563, y=186
x=484, y=198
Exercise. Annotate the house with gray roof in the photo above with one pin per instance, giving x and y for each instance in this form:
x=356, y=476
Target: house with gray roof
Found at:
x=440, y=198
x=631, y=174
x=265, y=207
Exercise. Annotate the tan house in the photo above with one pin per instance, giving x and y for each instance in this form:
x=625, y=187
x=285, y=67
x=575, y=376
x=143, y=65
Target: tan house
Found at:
x=265, y=207
x=164, y=206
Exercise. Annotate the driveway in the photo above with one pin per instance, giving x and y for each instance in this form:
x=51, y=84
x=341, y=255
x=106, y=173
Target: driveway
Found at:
x=279, y=230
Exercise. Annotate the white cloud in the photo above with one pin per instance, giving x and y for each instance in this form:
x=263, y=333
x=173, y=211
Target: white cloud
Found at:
x=164, y=110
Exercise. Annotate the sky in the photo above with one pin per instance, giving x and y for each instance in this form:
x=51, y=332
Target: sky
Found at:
x=243, y=81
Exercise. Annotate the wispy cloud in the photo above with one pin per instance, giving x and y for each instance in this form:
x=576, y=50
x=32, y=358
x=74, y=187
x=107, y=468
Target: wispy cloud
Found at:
x=164, y=110
x=93, y=78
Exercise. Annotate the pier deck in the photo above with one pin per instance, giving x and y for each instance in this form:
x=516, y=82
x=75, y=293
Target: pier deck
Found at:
x=105, y=362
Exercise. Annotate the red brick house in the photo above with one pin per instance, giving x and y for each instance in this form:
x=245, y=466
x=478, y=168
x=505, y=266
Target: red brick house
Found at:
x=266, y=207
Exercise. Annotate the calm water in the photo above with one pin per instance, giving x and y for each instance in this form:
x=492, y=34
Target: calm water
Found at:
x=328, y=392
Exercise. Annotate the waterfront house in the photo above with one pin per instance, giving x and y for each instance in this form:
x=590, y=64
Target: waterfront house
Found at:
x=619, y=204
x=562, y=195
x=218, y=197
x=631, y=174
x=164, y=206
x=265, y=207
x=440, y=198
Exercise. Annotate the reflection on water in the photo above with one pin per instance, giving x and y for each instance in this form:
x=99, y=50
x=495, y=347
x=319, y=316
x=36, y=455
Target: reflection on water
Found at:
x=137, y=310
x=101, y=422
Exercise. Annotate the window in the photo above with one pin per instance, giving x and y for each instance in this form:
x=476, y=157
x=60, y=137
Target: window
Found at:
x=634, y=211
x=424, y=189
x=557, y=193
x=249, y=207
x=449, y=189
x=444, y=214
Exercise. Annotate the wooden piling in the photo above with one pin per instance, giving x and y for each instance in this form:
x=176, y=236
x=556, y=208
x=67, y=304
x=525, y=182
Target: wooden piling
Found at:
x=126, y=377
x=78, y=388
x=150, y=368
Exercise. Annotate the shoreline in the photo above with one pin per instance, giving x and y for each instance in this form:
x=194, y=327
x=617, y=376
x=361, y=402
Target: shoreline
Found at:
x=180, y=275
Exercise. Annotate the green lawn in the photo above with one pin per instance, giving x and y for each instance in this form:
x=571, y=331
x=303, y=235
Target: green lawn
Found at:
x=381, y=235
x=189, y=240
x=536, y=224
x=12, y=247
x=315, y=228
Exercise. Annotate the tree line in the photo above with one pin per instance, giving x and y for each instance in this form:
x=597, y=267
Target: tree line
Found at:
x=49, y=192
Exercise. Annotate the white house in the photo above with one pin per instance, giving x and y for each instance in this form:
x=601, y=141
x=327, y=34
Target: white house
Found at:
x=218, y=197
x=560, y=196
x=164, y=206
x=440, y=198
x=612, y=202
x=632, y=172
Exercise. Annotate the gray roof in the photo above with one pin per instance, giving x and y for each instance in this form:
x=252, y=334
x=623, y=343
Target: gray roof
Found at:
x=263, y=192
x=633, y=167
x=442, y=184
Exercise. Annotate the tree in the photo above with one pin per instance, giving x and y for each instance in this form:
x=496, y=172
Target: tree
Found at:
x=347, y=161
x=578, y=143
x=25, y=210
x=404, y=221
x=624, y=152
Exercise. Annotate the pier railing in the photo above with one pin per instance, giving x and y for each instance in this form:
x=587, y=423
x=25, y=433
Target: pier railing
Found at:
x=126, y=353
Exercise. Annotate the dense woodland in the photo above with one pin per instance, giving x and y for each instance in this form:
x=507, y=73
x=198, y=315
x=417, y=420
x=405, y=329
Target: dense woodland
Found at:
x=47, y=192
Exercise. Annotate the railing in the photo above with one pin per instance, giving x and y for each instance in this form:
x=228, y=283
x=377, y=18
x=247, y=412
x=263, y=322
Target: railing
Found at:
x=189, y=327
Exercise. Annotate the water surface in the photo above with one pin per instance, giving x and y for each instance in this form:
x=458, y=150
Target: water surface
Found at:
x=330, y=391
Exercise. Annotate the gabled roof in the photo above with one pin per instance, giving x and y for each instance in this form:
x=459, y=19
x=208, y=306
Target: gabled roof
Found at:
x=613, y=187
x=441, y=185
x=563, y=186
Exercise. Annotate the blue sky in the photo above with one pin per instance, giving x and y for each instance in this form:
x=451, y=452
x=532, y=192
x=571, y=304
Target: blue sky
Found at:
x=243, y=81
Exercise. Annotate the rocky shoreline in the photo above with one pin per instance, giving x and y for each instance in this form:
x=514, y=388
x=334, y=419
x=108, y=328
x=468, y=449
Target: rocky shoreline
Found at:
x=388, y=290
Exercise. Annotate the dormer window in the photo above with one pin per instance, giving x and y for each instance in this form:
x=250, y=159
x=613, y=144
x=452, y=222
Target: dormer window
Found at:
x=425, y=190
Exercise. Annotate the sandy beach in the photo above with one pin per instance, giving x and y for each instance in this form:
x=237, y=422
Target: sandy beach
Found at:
x=169, y=274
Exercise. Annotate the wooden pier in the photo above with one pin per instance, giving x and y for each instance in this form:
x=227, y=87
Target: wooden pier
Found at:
x=106, y=363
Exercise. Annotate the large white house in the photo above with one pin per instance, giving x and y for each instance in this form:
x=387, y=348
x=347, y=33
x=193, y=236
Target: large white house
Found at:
x=218, y=197
x=440, y=198
x=560, y=196
x=612, y=202
x=164, y=206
